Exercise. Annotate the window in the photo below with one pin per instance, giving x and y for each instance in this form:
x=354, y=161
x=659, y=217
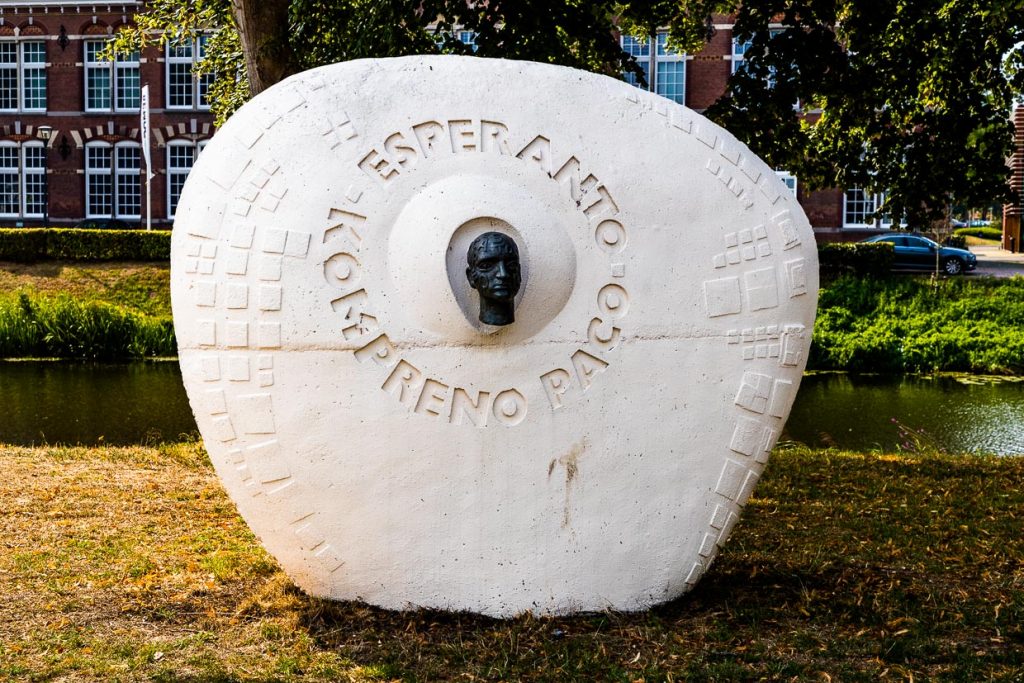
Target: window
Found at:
x=669, y=71
x=8, y=76
x=668, y=66
x=33, y=76
x=128, y=194
x=180, y=158
x=739, y=53
x=204, y=81
x=10, y=181
x=22, y=180
x=113, y=182
x=739, y=49
x=111, y=85
x=788, y=178
x=98, y=184
x=127, y=85
x=33, y=171
x=468, y=38
x=97, y=77
x=858, y=207
x=640, y=49
x=185, y=88
x=22, y=76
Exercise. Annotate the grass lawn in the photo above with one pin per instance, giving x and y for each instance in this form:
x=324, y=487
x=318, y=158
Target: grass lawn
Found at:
x=93, y=311
x=973, y=241
x=141, y=287
x=131, y=564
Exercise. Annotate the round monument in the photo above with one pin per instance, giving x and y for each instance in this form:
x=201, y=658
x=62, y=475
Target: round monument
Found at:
x=488, y=335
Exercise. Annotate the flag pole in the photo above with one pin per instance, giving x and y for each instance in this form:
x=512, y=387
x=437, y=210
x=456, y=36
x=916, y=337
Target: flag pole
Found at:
x=144, y=134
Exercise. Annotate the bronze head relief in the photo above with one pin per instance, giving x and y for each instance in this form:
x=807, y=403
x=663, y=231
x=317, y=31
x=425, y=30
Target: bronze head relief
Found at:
x=493, y=271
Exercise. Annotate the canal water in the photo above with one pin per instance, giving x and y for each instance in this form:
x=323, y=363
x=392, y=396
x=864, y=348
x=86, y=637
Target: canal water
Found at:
x=86, y=403
x=957, y=414
x=51, y=402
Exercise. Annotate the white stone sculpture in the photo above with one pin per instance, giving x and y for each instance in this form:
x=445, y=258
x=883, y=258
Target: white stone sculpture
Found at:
x=387, y=446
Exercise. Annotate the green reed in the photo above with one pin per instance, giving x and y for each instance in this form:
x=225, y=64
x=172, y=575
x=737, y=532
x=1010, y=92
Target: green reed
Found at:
x=39, y=326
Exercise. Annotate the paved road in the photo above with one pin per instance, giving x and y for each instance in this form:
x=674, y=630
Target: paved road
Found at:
x=996, y=262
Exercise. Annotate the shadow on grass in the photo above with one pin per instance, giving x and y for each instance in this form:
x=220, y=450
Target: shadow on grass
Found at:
x=742, y=620
x=846, y=568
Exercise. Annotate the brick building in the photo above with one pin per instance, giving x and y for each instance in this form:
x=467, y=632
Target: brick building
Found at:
x=52, y=80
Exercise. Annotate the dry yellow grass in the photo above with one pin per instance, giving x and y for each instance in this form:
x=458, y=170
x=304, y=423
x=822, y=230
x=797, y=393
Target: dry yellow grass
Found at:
x=131, y=564
x=143, y=287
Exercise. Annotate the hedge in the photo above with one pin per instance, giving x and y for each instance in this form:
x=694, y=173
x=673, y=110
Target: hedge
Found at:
x=984, y=233
x=27, y=245
x=856, y=258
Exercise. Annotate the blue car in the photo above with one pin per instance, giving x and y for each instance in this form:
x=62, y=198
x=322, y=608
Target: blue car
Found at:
x=914, y=251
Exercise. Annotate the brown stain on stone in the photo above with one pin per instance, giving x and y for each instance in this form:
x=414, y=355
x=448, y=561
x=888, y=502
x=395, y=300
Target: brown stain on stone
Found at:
x=570, y=461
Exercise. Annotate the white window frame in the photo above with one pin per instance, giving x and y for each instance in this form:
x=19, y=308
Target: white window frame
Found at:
x=27, y=171
x=203, y=81
x=122, y=63
x=99, y=67
x=113, y=173
x=126, y=63
x=174, y=171
x=788, y=178
x=200, y=84
x=26, y=66
x=871, y=203
x=739, y=49
x=90, y=172
x=652, y=55
x=468, y=38
x=21, y=67
x=22, y=171
x=14, y=173
x=125, y=172
x=663, y=56
x=639, y=49
x=10, y=70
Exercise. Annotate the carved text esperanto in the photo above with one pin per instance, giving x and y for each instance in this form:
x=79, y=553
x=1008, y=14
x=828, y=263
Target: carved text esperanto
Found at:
x=399, y=154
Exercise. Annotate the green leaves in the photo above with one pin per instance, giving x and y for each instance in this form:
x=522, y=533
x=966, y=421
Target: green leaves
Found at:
x=914, y=98
x=903, y=324
x=909, y=98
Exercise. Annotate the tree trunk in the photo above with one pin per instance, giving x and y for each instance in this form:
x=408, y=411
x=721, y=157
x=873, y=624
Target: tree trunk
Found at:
x=263, y=31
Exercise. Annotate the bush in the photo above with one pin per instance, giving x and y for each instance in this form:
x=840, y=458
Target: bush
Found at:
x=27, y=245
x=984, y=233
x=918, y=325
x=855, y=258
x=956, y=241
